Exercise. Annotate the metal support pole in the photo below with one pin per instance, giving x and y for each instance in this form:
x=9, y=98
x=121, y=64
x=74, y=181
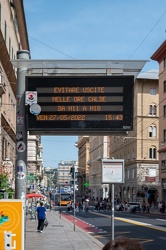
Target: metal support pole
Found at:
x=21, y=131
x=60, y=200
x=112, y=211
x=74, y=199
x=21, y=136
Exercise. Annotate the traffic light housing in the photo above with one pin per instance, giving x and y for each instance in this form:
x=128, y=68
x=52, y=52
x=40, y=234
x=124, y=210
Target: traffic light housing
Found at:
x=71, y=170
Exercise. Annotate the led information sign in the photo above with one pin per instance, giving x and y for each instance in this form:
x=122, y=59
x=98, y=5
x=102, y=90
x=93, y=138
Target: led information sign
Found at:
x=81, y=104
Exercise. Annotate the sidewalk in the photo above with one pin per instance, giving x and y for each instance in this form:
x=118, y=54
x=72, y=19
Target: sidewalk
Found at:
x=59, y=235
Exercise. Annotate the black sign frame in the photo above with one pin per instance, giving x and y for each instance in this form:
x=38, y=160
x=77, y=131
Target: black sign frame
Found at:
x=72, y=93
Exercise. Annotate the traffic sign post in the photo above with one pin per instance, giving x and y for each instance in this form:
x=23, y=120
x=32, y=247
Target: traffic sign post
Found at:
x=112, y=172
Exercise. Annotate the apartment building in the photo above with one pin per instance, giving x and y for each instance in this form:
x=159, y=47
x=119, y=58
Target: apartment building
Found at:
x=91, y=149
x=64, y=172
x=99, y=149
x=13, y=37
x=84, y=163
x=139, y=148
x=34, y=162
x=160, y=57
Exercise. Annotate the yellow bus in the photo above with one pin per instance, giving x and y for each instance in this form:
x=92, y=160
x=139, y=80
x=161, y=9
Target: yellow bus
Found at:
x=64, y=199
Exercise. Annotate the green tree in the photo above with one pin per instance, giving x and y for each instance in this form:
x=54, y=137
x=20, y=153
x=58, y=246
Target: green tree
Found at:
x=4, y=186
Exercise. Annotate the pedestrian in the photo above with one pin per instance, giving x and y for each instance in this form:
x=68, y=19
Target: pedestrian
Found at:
x=123, y=243
x=160, y=206
x=163, y=207
x=152, y=206
x=41, y=216
x=148, y=208
x=68, y=206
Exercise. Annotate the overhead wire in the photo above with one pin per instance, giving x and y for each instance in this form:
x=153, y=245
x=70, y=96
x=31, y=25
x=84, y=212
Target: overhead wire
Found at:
x=147, y=34
x=51, y=47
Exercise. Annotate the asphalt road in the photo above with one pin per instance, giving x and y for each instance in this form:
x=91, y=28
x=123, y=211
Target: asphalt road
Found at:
x=150, y=230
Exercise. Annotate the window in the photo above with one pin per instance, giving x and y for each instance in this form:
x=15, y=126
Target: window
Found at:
x=128, y=174
x=164, y=63
x=152, y=153
x=128, y=156
x=152, y=110
x=4, y=148
x=164, y=111
x=152, y=172
x=164, y=86
x=163, y=164
x=5, y=31
x=133, y=173
x=152, y=91
x=152, y=131
x=9, y=47
x=133, y=155
x=164, y=135
x=0, y=16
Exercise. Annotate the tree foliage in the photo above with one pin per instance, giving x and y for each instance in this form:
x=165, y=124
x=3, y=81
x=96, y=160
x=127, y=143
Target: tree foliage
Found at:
x=4, y=186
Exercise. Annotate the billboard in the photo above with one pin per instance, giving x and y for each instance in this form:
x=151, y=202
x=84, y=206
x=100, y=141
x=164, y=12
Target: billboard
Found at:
x=112, y=171
x=11, y=224
x=79, y=104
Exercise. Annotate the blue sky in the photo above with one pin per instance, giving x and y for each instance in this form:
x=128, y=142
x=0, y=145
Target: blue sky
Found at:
x=92, y=29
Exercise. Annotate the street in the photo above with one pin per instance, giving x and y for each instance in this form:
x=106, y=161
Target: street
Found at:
x=149, y=229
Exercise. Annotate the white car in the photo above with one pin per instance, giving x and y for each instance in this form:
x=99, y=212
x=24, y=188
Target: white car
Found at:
x=132, y=205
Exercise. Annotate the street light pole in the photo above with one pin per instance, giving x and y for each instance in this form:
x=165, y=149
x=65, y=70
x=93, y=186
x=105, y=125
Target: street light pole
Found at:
x=112, y=212
x=74, y=200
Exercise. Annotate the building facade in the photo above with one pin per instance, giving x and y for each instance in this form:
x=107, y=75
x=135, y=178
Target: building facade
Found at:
x=139, y=148
x=99, y=149
x=64, y=172
x=160, y=57
x=35, y=167
x=13, y=37
x=83, y=167
x=91, y=150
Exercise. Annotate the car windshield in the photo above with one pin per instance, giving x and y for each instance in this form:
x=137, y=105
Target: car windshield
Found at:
x=65, y=197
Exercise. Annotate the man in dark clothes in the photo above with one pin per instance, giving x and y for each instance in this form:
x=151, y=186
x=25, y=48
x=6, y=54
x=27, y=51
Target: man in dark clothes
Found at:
x=41, y=216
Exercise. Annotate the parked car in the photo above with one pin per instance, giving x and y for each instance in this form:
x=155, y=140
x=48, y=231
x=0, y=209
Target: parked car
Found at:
x=133, y=206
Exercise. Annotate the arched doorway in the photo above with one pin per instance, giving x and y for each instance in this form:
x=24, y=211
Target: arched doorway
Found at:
x=153, y=194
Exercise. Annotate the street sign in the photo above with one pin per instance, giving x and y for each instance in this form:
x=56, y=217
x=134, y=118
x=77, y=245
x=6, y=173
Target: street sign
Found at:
x=31, y=177
x=112, y=171
x=81, y=104
x=11, y=224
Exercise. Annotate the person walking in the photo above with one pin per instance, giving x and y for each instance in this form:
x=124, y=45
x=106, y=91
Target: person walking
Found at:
x=41, y=216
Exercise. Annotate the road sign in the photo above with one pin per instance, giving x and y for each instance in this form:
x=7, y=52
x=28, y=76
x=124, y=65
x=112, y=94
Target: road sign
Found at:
x=11, y=224
x=112, y=171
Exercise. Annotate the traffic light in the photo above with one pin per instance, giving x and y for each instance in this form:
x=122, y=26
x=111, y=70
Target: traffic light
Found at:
x=71, y=170
x=50, y=194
